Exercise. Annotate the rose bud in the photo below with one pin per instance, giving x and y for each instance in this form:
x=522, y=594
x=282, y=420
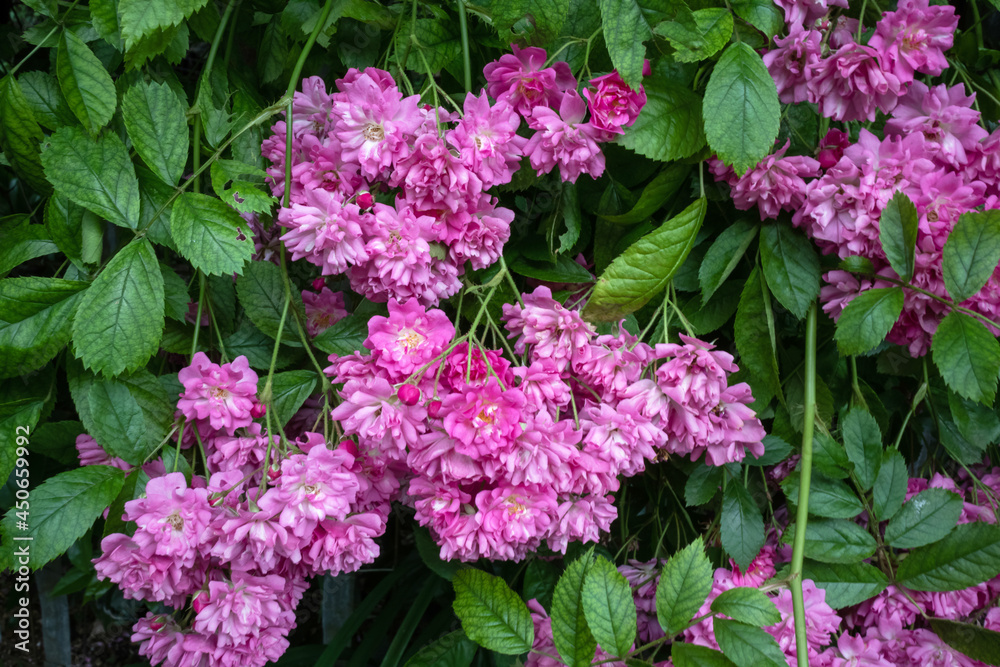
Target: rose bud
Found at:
x=319, y=284
x=434, y=409
x=258, y=410
x=365, y=201
x=408, y=394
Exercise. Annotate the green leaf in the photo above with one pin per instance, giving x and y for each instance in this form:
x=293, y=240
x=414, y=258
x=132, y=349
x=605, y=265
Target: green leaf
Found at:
x=452, y=650
x=289, y=391
x=656, y=193
x=863, y=444
x=63, y=508
x=42, y=94
x=95, y=173
x=791, y=267
x=22, y=242
x=117, y=421
x=538, y=21
x=828, y=498
x=702, y=485
x=968, y=357
x=437, y=41
x=974, y=641
x=890, y=486
x=70, y=228
x=867, y=319
x=239, y=185
x=57, y=440
x=156, y=123
x=142, y=18
x=625, y=31
x=685, y=582
x=565, y=270
x=753, y=335
x=20, y=135
x=977, y=423
x=697, y=35
x=926, y=517
x=88, y=87
x=14, y=423
x=836, y=541
x=747, y=605
x=669, y=127
x=692, y=655
x=343, y=337
x=573, y=219
x=207, y=233
x=492, y=615
x=36, y=318
x=829, y=457
x=570, y=633
x=104, y=16
x=724, y=255
x=898, y=234
x=609, y=607
x=971, y=253
x=540, y=578
x=761, y=14
x=262, y=294
x=171, y=42
x=746, y=645
x=845, y=584
x=430, y=554
x=969, y=555
x=120, y=318
x=741, y=110
x=176, y=297
x=644, y=269
x=742, y=525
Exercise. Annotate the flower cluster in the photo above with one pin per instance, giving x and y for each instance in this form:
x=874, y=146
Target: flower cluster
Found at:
x=503, y=454
x=888, y=630
x=396, y=195
x=237, y=548
x=934, y=150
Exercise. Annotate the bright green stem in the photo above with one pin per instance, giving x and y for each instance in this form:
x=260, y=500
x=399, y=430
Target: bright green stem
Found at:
x=292, y=84
x=805, y=475
x=466, y=56
x=194, y=349
x=209, y=63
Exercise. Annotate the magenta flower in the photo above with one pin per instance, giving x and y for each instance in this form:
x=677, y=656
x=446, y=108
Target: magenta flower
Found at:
x=613, y=105
x=431, y=178
x=484, y=419
x=791, y=63
x=487, y=140
x=852, y=84
x=914, y=38
x=324, y=231
x=374, y=123
x=313, y=487
x=554, y=331
x=222, y=395
x=563, y=139
x=946, y=119
x=239, y=609
x=520, y=79
x=774, y=185
x=409, y=338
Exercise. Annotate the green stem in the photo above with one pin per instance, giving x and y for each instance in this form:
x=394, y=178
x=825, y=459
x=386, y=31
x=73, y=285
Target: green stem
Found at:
x=950, y=304
x=805, y=475
x=466, y=56
x=978, y=23
x=58, y=25
x=207, y=72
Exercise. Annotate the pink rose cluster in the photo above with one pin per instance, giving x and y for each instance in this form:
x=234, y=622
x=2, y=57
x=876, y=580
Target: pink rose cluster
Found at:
x=499, y=455
x=887, y=630
x=396, y=195
x=934, y=150
x=233, y=550
x=820, y=61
